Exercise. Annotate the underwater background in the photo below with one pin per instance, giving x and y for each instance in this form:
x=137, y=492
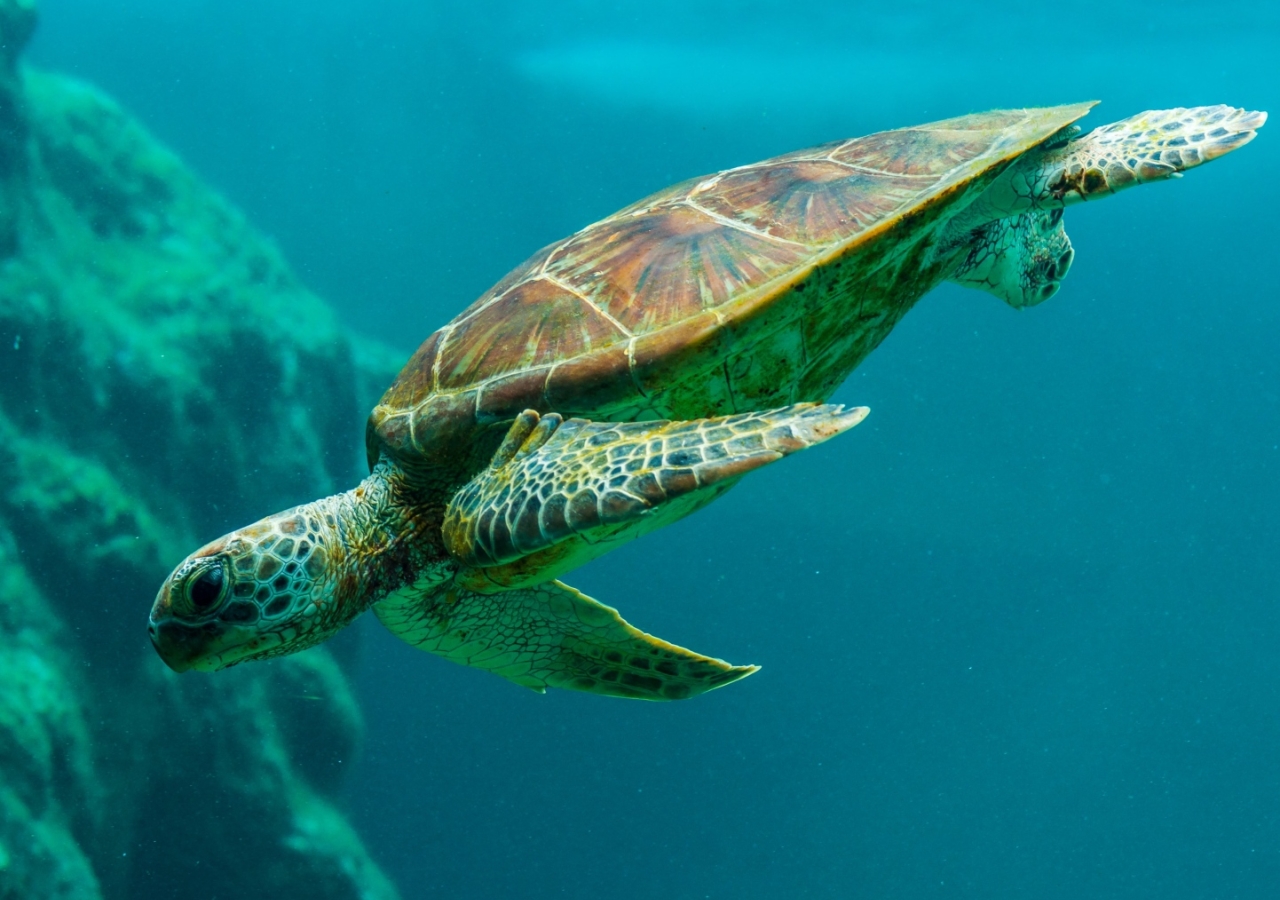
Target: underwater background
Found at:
x=1019, y=629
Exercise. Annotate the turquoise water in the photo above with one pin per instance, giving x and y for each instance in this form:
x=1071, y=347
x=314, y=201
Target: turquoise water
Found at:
x=1018, y=629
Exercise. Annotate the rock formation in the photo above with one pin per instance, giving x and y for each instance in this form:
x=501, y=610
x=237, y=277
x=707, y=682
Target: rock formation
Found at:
x=163, y=378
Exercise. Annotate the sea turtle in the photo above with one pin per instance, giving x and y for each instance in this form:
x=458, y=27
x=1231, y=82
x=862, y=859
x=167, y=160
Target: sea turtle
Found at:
x=628, y=375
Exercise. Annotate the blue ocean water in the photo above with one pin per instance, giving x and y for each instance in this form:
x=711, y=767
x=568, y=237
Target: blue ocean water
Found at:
x=1018, y=629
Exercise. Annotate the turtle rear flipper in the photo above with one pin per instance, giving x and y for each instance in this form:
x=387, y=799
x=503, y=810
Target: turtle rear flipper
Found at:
x=1152, y=146
x=551, y=635
x=1016, y=246
x=558, y=492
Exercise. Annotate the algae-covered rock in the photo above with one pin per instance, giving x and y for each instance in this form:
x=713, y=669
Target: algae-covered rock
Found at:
x=49, y=796
x=163, y=378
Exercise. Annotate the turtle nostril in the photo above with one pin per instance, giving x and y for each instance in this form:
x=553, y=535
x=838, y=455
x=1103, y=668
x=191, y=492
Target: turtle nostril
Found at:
x=1064, y=262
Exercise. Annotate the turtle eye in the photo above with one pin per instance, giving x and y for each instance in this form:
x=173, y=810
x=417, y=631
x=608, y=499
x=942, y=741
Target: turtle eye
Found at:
x=206, y=589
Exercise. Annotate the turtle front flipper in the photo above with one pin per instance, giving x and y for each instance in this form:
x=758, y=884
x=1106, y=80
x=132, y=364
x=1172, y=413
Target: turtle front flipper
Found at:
x=550, y=635
x=554, y=481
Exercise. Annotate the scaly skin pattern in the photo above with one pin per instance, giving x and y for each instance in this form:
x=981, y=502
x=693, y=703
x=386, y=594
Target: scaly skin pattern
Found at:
x=1151, y=146
x=755, y=289
x=552, y=480
x=294, y=579
x=550, y=635
x=1020, y=259
x=1016, y=246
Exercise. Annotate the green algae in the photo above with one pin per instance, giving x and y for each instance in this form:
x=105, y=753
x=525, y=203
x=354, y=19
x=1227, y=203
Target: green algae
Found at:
x=49, y=798
x=163, y=377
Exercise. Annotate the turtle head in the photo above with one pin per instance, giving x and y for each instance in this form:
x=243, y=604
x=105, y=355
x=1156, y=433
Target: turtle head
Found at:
x=258, y=592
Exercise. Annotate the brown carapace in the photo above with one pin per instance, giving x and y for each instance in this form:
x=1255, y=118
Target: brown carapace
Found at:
x=628, y=375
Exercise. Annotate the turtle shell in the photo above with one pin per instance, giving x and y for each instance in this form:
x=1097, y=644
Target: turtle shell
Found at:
x=757, y=286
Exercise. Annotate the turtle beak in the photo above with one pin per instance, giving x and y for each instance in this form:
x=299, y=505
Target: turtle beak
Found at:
x=183, y=646
x=174, y=644
x=206, y=648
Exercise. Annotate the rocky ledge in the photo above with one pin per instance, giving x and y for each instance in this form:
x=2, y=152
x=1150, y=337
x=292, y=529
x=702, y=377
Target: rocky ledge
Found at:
x=163, y=378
